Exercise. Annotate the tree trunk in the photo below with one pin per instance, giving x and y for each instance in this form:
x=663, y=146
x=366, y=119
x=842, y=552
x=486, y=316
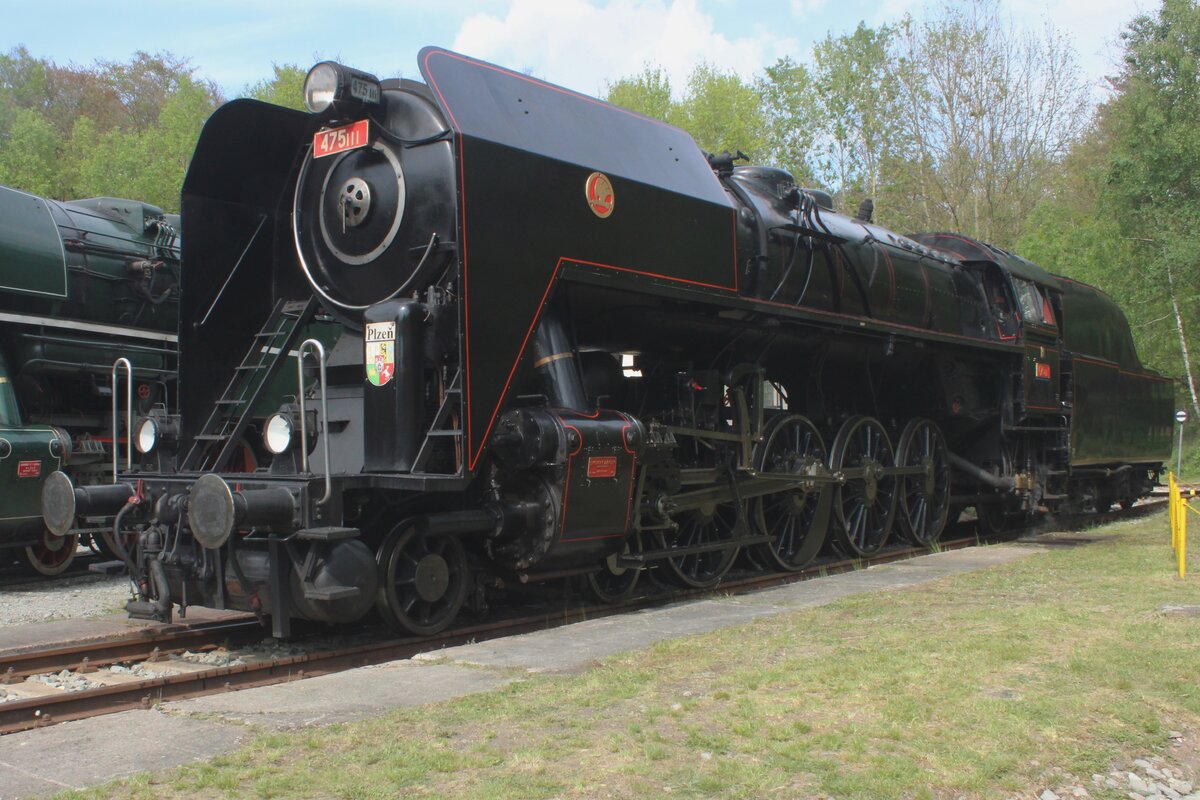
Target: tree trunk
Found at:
x=1187, y=362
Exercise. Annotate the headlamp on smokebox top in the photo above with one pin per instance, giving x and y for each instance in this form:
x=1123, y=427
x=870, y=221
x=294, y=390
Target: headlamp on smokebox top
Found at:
x=333, y=89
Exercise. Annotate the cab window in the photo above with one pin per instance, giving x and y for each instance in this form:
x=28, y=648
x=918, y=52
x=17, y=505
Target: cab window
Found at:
x=1034, y=304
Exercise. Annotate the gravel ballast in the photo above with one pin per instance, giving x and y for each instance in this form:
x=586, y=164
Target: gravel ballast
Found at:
x=67, y=598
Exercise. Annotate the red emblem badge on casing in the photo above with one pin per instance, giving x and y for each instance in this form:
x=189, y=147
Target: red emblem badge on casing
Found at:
x=1041, y=371
x=599, y=193
x=29, y=469
x=602, y=467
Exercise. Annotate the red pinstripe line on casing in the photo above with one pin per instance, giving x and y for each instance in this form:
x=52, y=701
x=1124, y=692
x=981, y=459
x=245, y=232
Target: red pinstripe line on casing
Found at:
x=562, y=528
x=925, y=280
x=594, y=538
x=473, y=458
x=1117, y=367
x=839, y=315
x=887, y=257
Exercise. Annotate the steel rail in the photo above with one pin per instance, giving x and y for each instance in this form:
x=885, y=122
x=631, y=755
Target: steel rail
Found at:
x=144, y=644
x=18, y=715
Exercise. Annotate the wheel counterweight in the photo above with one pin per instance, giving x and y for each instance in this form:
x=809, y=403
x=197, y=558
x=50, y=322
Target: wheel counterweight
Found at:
x=51, y=555
x=791, y=445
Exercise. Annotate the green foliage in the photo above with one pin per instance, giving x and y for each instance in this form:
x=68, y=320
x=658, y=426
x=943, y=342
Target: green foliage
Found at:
x=648, y=92
x=29, y=157
x=1140, y=175
x=720, y=110
x=857, y=93
x=791, y=117
x=115, y=128
x=285, y=89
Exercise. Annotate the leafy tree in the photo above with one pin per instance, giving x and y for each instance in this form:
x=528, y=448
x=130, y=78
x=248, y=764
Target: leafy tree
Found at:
x=29, y=156
x=791, y=117
x=648, y=92
x=286, y=88
x=857, y=92
x=1151, y=189
x=988, y=111
x=145, y=83
x=722, y=112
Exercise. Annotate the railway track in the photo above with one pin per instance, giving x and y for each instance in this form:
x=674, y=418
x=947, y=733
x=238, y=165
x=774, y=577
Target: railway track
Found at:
x=162, y=672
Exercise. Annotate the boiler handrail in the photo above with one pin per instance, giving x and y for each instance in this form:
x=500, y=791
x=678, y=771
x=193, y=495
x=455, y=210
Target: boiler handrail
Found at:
x=319, y=350
x=128, y=416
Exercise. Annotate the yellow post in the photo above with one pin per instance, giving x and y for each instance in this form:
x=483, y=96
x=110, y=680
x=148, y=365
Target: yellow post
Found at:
x=1181, y=552
x=1172, y=503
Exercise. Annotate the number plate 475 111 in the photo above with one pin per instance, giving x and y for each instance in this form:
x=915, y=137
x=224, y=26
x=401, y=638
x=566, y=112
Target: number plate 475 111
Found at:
x=338, y=140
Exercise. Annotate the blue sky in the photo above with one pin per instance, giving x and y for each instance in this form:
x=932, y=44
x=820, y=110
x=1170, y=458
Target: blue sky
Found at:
x=582, y=44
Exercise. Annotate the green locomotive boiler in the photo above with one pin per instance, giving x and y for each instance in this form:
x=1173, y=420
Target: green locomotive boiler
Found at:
x=82, y=284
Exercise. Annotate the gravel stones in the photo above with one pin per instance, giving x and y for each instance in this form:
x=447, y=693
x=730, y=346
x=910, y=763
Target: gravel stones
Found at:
x=67, y=680
x=65, y=598
x=1144, y=779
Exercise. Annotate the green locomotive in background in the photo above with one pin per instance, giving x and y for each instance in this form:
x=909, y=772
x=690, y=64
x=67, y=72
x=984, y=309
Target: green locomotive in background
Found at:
x=82, y=283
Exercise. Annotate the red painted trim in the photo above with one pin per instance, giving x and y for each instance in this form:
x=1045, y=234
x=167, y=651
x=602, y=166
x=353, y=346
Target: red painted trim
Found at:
x=1114, y=365
x=733, y=221
x=619, y=534
x=1042, y=408
x=887, y=257
x=475, y=450
x=875, y=320
x=562, y=528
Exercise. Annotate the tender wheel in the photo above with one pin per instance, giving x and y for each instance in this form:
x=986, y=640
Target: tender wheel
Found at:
x=791, y=445
x=613, y=583
x=866, y=503
x=705, y=526
x=51, y=555
x=423, y=580
x=924, y=499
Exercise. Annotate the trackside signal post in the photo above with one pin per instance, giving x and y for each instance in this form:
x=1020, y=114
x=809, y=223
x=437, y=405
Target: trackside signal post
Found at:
x=1181, y=416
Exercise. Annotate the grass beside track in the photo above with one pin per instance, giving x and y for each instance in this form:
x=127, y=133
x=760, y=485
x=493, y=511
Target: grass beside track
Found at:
x=975, y=686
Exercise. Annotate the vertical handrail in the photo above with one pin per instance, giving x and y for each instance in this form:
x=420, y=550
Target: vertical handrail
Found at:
x=319, y=350
x=128, y=416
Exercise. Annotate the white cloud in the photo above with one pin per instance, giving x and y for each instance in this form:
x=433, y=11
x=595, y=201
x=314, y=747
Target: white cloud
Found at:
x=1094, y=26
x=587, y=44
x=802, y=9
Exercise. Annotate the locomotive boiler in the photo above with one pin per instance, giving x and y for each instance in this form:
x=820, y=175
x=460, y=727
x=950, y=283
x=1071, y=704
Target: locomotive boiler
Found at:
x=82, y=283
x=564, y=341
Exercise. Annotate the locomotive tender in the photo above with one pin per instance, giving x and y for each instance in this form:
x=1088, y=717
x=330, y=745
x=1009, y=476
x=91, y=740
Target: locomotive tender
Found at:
x=565, y=341
x=81, y=283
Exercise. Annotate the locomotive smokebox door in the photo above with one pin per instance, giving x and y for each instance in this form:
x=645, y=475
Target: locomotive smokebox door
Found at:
x=393, y=408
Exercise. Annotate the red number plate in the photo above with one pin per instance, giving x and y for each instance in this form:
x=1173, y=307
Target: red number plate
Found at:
x=29, y=469
x=1042, y=371
x=338, y=140
x=602, y=467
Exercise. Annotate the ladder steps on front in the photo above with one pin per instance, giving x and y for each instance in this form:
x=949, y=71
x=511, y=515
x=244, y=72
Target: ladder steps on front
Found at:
x=443, y=424
x=215, y=444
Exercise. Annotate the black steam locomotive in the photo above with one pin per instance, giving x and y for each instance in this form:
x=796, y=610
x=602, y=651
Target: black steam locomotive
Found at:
x=559, y=339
